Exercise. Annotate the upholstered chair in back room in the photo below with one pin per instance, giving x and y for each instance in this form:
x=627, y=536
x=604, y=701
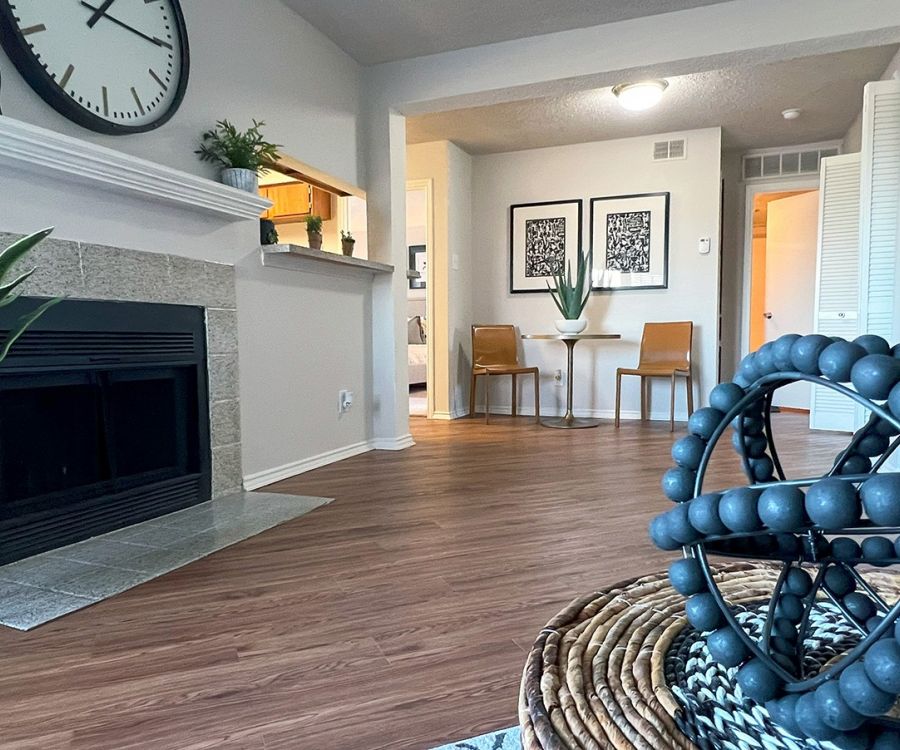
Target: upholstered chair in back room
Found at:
x=495, y=351
x=665, y=353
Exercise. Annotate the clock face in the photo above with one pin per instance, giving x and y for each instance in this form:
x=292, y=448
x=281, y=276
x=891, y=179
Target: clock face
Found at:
x=114, y=66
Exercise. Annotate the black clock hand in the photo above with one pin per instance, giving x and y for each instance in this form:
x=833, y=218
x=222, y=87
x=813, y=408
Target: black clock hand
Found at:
x=153, y=39
x=98, y=12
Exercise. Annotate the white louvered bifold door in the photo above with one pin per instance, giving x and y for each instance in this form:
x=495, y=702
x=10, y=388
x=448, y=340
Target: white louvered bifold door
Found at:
x=880, y=205
x=837, y=277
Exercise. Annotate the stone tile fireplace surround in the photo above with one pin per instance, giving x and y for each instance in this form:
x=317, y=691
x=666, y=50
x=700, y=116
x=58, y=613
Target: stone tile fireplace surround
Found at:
x=80, y=270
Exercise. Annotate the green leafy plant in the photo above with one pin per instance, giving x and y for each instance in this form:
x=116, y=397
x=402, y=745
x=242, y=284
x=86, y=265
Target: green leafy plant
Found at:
x=571, y=297
x=314, y=224
x=235, y=149
x=8, y=293
x=347, y=237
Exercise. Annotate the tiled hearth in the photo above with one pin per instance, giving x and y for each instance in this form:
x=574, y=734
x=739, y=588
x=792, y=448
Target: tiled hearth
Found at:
x=84, y=271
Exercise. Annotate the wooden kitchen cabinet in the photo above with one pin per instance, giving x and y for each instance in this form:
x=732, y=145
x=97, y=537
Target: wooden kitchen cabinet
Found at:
x=294, y=201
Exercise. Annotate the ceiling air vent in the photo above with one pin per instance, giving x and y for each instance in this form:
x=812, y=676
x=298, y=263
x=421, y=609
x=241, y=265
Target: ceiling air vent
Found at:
x=800, y=160
x=665, y=150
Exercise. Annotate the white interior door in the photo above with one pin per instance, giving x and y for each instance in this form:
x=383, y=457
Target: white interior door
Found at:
x=792, y=230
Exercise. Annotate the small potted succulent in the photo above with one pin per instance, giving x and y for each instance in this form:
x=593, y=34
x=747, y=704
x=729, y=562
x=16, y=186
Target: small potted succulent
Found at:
x=242, y=155
x=314, y=232
x=570, y=298
x=348, y=242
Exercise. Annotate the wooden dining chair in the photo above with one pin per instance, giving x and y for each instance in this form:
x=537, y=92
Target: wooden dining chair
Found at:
x=665, y=353
x=495, y=351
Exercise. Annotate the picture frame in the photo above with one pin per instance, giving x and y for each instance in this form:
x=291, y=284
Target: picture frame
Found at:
x=629, y=237
x=543, y=237
x=418, y=262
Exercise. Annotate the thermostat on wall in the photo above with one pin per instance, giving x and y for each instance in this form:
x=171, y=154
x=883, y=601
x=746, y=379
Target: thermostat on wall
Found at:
x=704, y=246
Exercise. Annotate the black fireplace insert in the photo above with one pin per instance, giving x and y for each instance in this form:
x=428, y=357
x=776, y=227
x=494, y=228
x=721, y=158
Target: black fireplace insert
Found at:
x=104, y=421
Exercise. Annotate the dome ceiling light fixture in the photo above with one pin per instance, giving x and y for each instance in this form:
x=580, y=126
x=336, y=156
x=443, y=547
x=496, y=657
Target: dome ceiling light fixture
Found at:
x=637, y=97
x=791, y=114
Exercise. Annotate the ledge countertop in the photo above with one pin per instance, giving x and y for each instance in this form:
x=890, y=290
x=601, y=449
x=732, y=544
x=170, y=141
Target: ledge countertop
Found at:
x=294, y=253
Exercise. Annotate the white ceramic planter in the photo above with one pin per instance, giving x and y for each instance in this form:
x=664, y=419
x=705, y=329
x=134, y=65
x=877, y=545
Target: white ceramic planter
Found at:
x=242, y=179
x=571, y=326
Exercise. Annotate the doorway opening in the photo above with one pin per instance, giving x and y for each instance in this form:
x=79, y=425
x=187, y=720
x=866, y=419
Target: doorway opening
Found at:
x=783, y=249
x=419, y=241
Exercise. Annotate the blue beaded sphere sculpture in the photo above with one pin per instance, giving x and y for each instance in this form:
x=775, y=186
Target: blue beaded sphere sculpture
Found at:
x=819, y=529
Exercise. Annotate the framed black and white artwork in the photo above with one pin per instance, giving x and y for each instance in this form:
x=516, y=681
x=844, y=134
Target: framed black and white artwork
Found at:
x=542, y=238
x=630, y=241
x=417, y=256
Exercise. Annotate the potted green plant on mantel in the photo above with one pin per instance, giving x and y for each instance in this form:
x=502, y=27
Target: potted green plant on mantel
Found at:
x=571, y=298
x=242, y=155
x=348, y=242
x=314, y=231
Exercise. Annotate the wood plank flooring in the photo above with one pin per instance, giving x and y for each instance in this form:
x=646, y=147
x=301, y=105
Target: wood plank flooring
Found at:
x=397, y=617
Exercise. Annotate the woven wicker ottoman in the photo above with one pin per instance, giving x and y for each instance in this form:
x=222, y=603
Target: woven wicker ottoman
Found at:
x=621, y=668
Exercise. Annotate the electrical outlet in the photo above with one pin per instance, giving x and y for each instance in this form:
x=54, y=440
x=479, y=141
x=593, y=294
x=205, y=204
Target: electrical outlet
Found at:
x=345, y=402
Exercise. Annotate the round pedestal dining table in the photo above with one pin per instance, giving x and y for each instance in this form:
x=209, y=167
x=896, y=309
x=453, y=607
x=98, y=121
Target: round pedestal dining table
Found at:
x=569, y=421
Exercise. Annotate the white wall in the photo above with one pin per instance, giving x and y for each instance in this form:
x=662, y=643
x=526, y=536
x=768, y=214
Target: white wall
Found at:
x=587, y=171
x=302, y=336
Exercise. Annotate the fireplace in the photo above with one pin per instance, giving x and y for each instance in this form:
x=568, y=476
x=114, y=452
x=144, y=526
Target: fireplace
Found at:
x=104, y=421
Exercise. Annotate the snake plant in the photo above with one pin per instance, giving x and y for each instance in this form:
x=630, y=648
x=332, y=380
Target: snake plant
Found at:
x=8, y=258
x=570, y=297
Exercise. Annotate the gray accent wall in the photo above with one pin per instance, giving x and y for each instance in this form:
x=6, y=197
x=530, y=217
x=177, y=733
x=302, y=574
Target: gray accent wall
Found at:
x=81, y=270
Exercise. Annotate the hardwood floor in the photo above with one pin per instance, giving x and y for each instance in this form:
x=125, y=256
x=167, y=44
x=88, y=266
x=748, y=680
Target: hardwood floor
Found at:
x=397, y=617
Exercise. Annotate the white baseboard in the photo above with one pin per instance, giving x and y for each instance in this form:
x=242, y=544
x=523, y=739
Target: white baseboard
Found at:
x=449, y=415
x=528, y=411
x=393, y=444
x=270, y=476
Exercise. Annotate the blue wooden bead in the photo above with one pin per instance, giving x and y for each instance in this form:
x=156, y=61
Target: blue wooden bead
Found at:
x=845, y=549
x=758, y=682
x=806, y=351
x=836, y=360
x=783, y=646
x=703, y=512
x=873, y=344
x=737, y=509
x=678, y=484
x=886, y=739
x=659, y=534
x=781, y=348
x=882, y=663
x=688, y=451
x=860, y=694
x=798, y=582
x=763, y=469
x=686, y=577
x=704, y=422
x=839, y=582
x=782, y=712
x=703, y=612
x=834, y=709
x=789, y=545
x=784, y=628
x=747, y=368
x=765, y=359
x=859, y=739
x=809, y=719
x=859, y=605
x=856, y=463
x=894, y=401
x=741, y=381
x=726, y=647
x=833, y=504
x=679, y=526
x=897, y=547
x=789, y=607
x=781, y=508
x=872, y=445
x=878, y=550
x=875, y=375
x=751, y=424
x=880, y=497
x=725, y=396
x=883, y=427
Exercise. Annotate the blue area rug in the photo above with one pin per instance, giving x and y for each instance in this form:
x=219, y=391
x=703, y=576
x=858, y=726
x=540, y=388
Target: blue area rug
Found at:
x=505, y=739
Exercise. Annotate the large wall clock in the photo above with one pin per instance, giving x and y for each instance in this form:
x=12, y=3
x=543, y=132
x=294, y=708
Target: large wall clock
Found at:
x=114, y=66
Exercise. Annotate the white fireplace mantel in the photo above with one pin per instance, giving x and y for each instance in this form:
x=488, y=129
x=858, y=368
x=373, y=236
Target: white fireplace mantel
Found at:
x=29, y=148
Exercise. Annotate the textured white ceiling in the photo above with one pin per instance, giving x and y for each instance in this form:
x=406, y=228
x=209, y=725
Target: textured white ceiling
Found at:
x=746, y=102
x=377, y=31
